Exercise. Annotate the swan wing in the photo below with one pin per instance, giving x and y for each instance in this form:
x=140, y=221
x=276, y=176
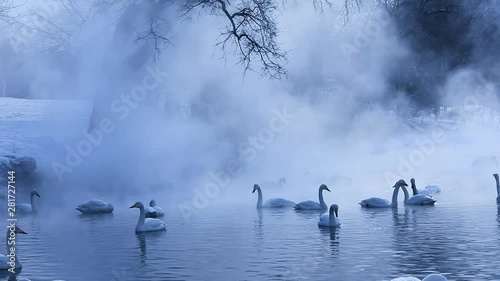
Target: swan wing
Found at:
x=24, y=208
x=278, y=203
x=324, y=219
x=433, y=188
x=375, y=202
x=420, y=199
x=308, y=205
x=159, y=211
x=154, y=224
x=95, y=206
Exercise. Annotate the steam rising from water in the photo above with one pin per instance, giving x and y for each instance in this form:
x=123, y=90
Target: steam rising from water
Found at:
x=346, y=131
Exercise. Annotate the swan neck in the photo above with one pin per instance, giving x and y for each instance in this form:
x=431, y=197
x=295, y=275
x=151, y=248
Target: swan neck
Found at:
x=331, y=217
x=414, y=188
x=32, y=201
x=259, y=201
x=498, y=186
x=321, y=200
x=141, y=217
x=407, y=196
x=394, y=202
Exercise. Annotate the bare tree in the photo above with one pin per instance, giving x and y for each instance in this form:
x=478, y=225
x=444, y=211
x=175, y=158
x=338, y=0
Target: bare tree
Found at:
x=253, y=28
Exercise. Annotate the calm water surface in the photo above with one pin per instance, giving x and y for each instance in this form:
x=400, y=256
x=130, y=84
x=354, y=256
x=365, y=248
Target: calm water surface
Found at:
x=246, y=244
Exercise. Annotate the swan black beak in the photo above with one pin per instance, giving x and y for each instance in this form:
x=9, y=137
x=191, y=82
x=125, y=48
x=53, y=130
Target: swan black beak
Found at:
x=336, y=213
x=327, y=189
x=22, y=231
x=133, y=206
x=38, y=195
x=253, y=191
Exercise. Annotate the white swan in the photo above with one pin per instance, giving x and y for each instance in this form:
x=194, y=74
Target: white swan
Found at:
x=26, y=208
x=273, y=202
x=5, y=260
x=312, y=205
x=375, y=202
x=147, y=224
x=154, y=211
x=431, y=277
x=417, y=199
x=95, y=206
x=498, y=187
x=331, y=218
x=428, y=190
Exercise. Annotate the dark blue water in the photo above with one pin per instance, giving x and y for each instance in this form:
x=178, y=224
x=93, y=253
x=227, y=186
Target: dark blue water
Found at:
x=226, y=243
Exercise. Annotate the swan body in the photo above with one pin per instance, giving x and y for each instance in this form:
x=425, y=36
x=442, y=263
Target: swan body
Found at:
x=26, y=208
x=417, y=199
x=331, y=218
x=375, y=202
x=432, y=277
x=428, y=190
x=498, y=188
x=5, y=260
x=95, y=206
x=154, y=211
x=312, y=205
x=271, y=203
x=147, y=224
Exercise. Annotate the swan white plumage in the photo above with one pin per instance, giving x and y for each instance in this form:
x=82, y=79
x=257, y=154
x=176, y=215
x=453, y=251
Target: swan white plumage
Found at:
x=375, y=202
x=154, y=211
x=5, y=260
x=273, y=202
x=147, y=224
x=431, y=277
x=27, y=208
x=417, y=199
x=428, y=190
x=95, y=206
x=312, y=205
x=331, y=218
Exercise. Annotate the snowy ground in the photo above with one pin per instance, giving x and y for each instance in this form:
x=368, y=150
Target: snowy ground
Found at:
x=28, y=127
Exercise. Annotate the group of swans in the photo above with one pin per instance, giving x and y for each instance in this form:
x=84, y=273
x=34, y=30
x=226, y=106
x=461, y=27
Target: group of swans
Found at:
x=416, y=199
x=325, y=219
x=147, y=217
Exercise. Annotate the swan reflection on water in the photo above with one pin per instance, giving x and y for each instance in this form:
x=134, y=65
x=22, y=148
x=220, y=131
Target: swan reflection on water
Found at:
x=94, y=218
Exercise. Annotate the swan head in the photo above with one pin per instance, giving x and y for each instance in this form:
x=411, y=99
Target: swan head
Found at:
x=152, y=203
x=19, y=230
x=334, y=209
x=255, y=187
x=400, y=182
x=324, y=187
x=35, y=193
x=496, y=176
x=137, y=205
x=412, y=181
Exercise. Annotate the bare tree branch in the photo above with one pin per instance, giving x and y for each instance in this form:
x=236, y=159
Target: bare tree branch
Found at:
x=155, y=33
x=253, y=28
